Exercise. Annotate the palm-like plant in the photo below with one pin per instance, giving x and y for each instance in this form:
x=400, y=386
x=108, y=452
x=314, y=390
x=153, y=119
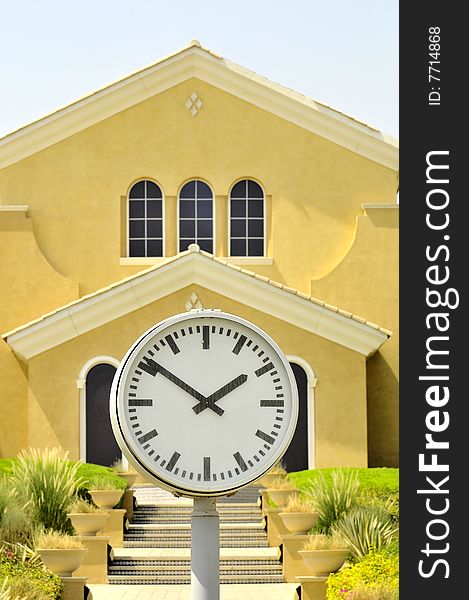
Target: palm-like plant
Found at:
x=365, y=528
x=333, y=499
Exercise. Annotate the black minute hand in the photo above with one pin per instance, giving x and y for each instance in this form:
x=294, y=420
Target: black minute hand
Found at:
x=209, y=402
x=152, y=367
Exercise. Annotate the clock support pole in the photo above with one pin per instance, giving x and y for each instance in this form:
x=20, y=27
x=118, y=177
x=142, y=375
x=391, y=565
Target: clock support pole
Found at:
x=205, y=550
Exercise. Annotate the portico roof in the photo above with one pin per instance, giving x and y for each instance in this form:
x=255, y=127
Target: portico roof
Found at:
x=196, y=267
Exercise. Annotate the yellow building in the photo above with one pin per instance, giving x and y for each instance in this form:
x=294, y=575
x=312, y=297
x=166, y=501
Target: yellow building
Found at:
x=195, y=182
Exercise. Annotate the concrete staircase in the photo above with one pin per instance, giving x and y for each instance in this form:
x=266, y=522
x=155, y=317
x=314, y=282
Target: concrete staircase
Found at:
x=157, y=542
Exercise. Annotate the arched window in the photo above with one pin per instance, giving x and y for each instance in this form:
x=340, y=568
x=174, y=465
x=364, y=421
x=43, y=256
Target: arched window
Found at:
x=145, y=219
x=247, y=213
x=196, y=216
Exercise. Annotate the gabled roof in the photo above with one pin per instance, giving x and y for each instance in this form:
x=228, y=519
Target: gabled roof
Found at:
x=196, y=267
x=196, y=61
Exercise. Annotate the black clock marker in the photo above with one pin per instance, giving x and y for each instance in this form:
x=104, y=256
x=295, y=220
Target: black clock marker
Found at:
x=265, y=369
x=206, y=468
x=140, y=402
x=172, y=461
x=239, y=344
x=148, y=436
x=172, y=344
x=271, y=403
x=205, y=337
x=151, y=353
x=240, y=460
x=265, y=436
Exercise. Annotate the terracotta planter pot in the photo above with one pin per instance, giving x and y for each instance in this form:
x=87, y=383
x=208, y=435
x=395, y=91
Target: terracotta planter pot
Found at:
x=62, y=561
x=131, y=478
x=299, y=522
x=280, y=497
x=88, y=523
x=322, y=563
x=106, y=498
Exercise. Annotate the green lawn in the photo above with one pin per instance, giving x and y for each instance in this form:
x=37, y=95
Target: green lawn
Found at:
x=381, y=478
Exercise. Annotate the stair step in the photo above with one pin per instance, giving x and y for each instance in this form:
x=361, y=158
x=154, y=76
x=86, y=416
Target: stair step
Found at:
x=186, y=562
x=186, y=543
x=186, y=579
x=184, y=569
x=143, y=528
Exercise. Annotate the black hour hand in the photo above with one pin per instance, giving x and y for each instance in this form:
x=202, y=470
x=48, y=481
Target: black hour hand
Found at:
x=209, y=402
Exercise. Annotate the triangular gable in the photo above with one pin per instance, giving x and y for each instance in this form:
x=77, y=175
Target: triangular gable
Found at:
x=195, y=61
x=196, y=267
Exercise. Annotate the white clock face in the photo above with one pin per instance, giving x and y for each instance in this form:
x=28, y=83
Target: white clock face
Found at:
x=204, y=402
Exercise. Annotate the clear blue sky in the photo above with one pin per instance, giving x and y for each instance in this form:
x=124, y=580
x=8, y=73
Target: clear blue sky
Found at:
x=341, y=52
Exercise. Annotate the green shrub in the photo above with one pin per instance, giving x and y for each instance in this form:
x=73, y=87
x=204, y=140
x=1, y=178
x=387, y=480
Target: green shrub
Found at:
x=28, y=579
x=365, y=528
x=16, y=526
x=45, y=484
x=378, y=569
x=5, y=497
x=378, y=486
x=333, y=498
x=383, y=591
x=97, y=475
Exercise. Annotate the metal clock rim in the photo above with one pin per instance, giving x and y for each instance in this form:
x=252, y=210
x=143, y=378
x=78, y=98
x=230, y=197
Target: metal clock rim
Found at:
x=122, y=372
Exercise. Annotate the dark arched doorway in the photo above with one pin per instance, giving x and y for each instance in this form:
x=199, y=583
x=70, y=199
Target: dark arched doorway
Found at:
x=296, y=457
x=101, y=445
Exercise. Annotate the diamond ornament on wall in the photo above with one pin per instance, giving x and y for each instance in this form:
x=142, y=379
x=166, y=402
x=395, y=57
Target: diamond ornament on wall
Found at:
x=194, y=103
x=193, y=302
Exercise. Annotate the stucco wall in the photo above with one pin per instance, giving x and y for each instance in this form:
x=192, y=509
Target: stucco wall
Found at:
x=367, y=282
x=74, y=187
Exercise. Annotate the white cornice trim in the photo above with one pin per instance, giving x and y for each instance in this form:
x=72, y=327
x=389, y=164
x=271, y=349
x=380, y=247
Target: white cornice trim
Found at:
x=194, y=61
x=194, y=268
x=14, y=208
x=371, y=205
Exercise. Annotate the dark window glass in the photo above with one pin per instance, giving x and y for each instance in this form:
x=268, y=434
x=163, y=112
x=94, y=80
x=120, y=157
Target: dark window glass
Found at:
x=254, y=190
x=255, y=227
x=154, y=228
x=187, y=229
x=187, y=208
x=255, y=247
x=138, y=190
x=154, y=248
x=136, y=208
x=247, y=196
x=204, y=208
x=238, y=228
x=137, y=229
x=137, y=247
x=153, y=191
x=238, y=248
x=154, y=209
x=238, y=208
x=184, y=244
x=188, y=191
x=206, y=245
x=196, y=215
x=239, y=190
x=145, y=219
x=255, y=208
x=203, y=191
x=204, y=228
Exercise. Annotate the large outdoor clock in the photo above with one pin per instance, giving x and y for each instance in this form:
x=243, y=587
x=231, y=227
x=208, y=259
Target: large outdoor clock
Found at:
x=204, y=403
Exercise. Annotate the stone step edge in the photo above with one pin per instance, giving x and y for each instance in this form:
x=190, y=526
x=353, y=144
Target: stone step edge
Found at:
x=186, y=568
x=156, y=526
x=167, y=578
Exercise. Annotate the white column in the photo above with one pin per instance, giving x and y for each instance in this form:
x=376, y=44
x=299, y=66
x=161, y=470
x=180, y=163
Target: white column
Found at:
x=205, y=550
